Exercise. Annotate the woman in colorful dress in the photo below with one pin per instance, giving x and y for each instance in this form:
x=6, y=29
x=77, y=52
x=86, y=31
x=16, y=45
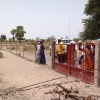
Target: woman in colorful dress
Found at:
x=88, y=61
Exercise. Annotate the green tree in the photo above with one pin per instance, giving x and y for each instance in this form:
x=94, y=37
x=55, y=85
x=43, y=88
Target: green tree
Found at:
x=13, y=32
x=3, y=37
x=20, y=33
x=92, y=23
x=76, y=39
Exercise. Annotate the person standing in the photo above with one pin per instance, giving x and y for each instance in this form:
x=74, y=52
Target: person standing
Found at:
x=42, y=53
x=50, y=49
x=88, y=61
x=60, y=51
x=79, y=54
x=38, y=52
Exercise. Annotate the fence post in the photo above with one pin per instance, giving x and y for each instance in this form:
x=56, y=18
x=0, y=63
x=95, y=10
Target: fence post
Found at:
x=6, y=44
x=23, y=49
x=52, y=54
x=35, y=52
x=97, y=64
x=16, y=46
x=10, y=45
x=1, y=45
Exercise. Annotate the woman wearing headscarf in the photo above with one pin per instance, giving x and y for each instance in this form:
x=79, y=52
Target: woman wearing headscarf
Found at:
x=79, y=53
x=42, y=54
x=38, y=52
x=88, y=61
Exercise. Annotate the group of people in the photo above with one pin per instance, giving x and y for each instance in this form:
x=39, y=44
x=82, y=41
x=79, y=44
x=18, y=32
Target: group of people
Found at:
x=83, y=54
x=40, y=54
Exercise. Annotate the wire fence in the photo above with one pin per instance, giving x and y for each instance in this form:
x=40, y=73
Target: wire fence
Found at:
x=25, y=49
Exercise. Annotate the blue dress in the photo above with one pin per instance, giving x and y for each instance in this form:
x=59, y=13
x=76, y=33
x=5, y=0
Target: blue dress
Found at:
x=42, y=55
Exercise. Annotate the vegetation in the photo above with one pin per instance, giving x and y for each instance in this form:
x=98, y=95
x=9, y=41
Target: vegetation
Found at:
x=3, y=37
x=1, y=54
x=18, y=33
x=76, y=39
x=49, y=39
x=13, y=32
x=92, y=23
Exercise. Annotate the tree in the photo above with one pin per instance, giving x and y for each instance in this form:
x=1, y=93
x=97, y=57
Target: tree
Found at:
x=13, y=32
x=51, y=38
x=3, y=37
x=92, y=23
x=76, y=39
x=20, y=33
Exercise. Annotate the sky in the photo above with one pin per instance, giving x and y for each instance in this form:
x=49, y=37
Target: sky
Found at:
x=43, y=18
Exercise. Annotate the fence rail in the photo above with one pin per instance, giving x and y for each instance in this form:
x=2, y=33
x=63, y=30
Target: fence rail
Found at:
x=25, y=49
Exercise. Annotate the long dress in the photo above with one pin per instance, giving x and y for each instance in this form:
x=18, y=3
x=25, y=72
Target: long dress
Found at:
x=38, y=54
x=42, y=55
x=88, y=61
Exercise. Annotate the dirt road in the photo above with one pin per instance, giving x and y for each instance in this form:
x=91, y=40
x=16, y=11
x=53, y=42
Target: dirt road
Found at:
x=18, y=72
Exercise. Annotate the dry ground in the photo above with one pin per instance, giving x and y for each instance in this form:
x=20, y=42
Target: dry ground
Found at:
x=18, y=72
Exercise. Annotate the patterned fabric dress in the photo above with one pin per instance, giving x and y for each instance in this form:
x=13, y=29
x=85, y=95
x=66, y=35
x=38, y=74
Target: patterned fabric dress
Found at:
x=88, y=61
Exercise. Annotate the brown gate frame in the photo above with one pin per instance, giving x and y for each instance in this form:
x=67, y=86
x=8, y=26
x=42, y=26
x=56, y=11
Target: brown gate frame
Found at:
x=87, y=76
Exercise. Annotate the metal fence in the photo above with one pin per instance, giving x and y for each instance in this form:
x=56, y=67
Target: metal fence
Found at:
x=25, y=49
x=72, y=64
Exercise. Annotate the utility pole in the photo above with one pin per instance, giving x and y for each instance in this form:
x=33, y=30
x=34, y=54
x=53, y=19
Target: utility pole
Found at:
x=69, y=31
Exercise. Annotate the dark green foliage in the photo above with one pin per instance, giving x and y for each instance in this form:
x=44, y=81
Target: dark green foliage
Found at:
x=92, y=23
x=3, y=37
x=18, y=33
x=13, y=32
x=1, y=54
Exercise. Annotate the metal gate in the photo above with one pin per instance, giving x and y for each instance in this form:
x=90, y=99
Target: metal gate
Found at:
x=69, y=66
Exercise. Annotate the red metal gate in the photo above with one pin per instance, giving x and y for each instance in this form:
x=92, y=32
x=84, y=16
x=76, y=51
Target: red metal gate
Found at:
x=69, y=67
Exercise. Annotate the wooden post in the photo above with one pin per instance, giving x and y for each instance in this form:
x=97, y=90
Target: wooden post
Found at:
x=35, y=52
x=10, y=45
x=52, y=54
x=1, y=45
x=97, y=65
x=23, y=49
x=16, y=47
x=6, y=44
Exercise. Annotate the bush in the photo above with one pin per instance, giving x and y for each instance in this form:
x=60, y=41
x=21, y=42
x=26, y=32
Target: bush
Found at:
x=1, y=54
x=28, y=48
x=13, y=48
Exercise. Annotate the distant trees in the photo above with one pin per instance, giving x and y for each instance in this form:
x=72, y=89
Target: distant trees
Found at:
x=3, y=37
x=13, y=32
x=92, y=23
x=76, y=39
x=50, y=38
x=18, y=33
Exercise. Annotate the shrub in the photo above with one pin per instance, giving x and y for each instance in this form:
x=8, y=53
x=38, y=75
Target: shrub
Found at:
x=28, y=48
x=1, y=54
x=13, y=48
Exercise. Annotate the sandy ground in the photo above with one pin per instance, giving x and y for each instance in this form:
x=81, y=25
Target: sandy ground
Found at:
x=18, y=72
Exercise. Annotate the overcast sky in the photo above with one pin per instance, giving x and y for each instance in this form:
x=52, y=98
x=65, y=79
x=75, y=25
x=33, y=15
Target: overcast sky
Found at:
x=42, y=18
